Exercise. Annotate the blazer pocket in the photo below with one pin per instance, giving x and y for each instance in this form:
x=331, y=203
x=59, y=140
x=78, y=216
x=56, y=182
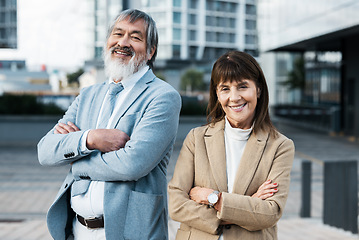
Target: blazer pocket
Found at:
x=145, y=218
x=182, y=235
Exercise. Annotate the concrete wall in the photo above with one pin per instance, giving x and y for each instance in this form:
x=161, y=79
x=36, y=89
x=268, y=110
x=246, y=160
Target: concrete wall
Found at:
x=24, y=130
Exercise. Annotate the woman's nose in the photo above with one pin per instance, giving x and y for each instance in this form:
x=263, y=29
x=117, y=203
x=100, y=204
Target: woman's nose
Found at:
x=235, y=96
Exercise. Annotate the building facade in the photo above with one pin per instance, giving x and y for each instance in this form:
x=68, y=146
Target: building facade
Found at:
x=326, y=35
x=8, y=24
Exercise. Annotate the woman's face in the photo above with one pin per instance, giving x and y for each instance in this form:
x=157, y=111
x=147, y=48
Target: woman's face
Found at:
x=239, y=101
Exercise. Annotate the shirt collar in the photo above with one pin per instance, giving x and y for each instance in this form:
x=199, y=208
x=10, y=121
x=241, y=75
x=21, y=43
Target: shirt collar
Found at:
x=131, y=80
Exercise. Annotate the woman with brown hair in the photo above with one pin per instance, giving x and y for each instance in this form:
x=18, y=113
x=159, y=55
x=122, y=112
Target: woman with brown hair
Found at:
x=232, y=176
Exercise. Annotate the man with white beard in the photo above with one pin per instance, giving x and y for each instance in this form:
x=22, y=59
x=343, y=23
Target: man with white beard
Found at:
x=117, y=137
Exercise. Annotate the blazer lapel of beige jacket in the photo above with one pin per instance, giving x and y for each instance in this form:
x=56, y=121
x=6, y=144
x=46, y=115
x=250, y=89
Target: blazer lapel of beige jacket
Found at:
x=214, y=140
x=250, y=159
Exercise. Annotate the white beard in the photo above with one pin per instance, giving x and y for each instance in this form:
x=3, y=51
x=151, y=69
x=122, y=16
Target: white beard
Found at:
x=117, y=70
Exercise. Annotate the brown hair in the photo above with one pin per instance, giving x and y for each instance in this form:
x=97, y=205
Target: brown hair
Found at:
x=238, y=66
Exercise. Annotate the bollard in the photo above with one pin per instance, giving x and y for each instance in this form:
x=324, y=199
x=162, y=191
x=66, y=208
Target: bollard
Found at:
x=341, y=194
x=306, y=188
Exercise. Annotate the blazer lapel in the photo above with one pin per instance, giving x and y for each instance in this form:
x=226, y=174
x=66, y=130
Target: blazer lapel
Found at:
x=248, y=165
x=136, y=91
x=214, y=140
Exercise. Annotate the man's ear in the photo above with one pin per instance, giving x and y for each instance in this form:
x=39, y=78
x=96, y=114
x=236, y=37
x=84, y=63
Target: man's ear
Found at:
x=151, y=53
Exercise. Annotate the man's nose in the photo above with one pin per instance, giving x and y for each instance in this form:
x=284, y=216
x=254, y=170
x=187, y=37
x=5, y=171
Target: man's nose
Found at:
x=124, y=41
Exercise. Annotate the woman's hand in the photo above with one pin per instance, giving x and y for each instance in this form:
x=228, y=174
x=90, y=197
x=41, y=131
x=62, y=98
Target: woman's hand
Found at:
x=266, y=190
x=199, y=194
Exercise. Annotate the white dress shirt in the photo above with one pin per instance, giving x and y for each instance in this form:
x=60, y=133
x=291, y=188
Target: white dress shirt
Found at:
x=90, y=204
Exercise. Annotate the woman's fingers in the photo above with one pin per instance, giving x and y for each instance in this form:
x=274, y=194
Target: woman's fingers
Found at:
x=266, y=190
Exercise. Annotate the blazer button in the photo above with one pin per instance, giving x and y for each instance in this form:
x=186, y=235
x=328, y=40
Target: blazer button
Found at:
x=85, y=177
x=227, y=226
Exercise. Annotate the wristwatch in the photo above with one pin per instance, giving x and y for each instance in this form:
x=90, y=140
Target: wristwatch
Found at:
x=213, y=198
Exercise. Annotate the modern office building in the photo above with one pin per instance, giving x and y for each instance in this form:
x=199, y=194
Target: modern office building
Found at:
x=8, y=24
x=326, y=35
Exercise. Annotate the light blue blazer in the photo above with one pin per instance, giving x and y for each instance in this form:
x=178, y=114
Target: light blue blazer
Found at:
x=135, y=198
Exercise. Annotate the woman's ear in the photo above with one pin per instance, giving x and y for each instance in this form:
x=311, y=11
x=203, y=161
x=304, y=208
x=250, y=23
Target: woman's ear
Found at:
x=258, y=92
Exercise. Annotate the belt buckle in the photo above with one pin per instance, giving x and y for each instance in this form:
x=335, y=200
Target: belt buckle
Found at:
x=89, y=219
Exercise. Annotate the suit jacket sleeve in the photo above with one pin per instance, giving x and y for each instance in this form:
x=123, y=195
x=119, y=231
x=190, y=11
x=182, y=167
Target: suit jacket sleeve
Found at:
x=150, y=141
x=61, y=149
x=181, y=207
x=256, y=214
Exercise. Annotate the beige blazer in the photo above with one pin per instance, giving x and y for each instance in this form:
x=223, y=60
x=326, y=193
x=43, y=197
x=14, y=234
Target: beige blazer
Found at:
x=202, y=162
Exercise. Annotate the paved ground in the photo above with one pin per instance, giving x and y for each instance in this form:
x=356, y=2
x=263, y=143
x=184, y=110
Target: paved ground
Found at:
x=27, y=189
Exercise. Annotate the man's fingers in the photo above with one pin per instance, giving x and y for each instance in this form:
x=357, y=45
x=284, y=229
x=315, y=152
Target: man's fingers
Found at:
x=73, y=126
x=66, y=127
x=60, y=129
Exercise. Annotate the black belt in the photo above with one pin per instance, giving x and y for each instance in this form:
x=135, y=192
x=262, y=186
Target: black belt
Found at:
x=91, y=223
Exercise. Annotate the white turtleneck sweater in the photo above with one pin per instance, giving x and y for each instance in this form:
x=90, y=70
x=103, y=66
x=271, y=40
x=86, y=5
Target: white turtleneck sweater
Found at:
x=235, y=140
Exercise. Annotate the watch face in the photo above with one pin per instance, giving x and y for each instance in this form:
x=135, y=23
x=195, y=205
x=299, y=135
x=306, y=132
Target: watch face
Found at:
x=212, y=198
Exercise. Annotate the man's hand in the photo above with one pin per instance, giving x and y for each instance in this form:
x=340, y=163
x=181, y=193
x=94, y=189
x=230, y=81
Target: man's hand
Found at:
x=266, y=190
x=106, y=140
x=62, y=128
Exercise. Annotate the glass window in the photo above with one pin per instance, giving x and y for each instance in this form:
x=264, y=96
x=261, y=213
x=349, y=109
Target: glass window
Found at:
x=192, y=19
x=232, y=38
x=232, y=23
x=250, y=39
x=193, y=52
x=209, y=5
x=210, y=36
x=176, y=3
x=192, y=35
x=98, y=52
x=209, y=21
x=176, y=34
x=177, y=17
x=251, y=9
x=176, y=51
x=233, y=7
x=251, y=24
x=193, y=4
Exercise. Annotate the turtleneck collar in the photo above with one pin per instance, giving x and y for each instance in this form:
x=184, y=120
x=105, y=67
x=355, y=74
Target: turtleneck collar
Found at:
x=237, y=133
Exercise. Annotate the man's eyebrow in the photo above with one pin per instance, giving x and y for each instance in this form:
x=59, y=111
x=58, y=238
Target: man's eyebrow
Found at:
x=133, y=32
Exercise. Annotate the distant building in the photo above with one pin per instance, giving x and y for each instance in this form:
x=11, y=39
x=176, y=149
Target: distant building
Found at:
x=8, y=24
x=327, y=36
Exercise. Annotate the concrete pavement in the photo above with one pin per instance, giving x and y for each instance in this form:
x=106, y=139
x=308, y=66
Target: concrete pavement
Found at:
x=27, y=189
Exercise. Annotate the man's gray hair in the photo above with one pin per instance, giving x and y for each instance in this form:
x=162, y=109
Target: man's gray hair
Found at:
x=151, y=29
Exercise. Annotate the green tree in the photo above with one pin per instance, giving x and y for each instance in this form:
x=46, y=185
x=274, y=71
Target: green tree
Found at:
x=74, y=77
x=296, y=77
x=192, y=80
